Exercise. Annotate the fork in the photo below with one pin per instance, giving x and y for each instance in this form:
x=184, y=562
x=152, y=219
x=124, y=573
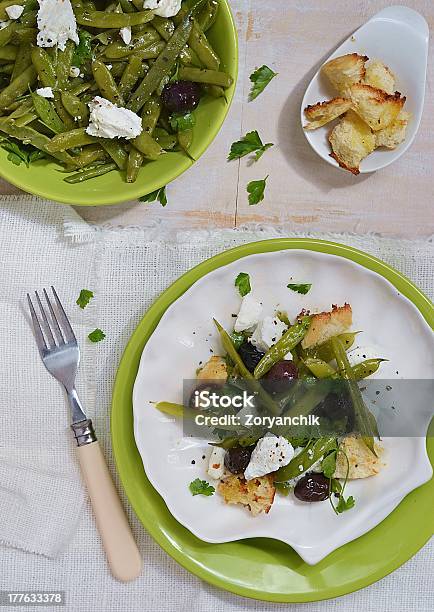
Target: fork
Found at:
x=60, y=355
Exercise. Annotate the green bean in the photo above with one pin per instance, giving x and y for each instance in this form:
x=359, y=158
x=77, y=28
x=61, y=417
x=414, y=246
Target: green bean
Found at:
x=79, y=88
x=75, y=107
x=135, y=161
x=6, y=68
x=6, y=34
x=117, y=68
x=165, y=140
x=287, y=342
x=85, y=175
x=318, y=367
x=147, y=146
x=245, y=373
x=199, y=44
x=208, y=15
x=22, y=61
x=215, y=91
x=203, y=75
x=106, y=83
x=116, y=151
x=165, y=27
x=101, y=19
x=47, y=113
x=64, y=63
x=25, y=35
x=127, y=6
x=18, y=86
x=366, y=368
x=8, y=53
x=68, y=140
x=130, y=75
x=26, y=119
x=20, y=108
x=163, y=65
x=44, y=67
x=89, y=155
x=365, y=420
x=313, y=452
x=62, y=112
x=325, y=352
x=185, y=138
x=150, y=114
x=118, y=49
x=152, y=52
x=30, y=136
x=29, y=18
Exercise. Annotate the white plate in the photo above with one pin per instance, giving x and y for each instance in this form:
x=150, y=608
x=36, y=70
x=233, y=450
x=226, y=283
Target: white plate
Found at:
x=185, y=336
x=398, y=36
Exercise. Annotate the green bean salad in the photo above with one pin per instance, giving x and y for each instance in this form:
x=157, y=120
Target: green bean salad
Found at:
x=101, y=86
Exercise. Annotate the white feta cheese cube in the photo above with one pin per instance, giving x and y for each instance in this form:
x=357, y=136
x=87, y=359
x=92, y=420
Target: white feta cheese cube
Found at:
x=110, y=121
x=216, y=465
x=74, y=71
x=45, y=92
x=267, y=333
x=270, y=453
x=249, y=314
x=14, y=11
x=56, y=24
x=163, y=8
x=125, y=34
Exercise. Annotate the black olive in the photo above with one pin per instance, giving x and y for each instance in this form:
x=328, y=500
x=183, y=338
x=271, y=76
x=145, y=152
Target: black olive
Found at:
x=250, y=355
x=237, y=458
x=181, y=96
x=312, y=488
x=280, y=377
x=337, y=407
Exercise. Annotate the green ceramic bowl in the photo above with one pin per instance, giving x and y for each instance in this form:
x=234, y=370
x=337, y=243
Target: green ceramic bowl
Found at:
x=264, y=568
x=45, y=178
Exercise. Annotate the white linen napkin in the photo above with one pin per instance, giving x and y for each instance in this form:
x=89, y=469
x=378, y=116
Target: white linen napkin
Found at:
x=41, y=495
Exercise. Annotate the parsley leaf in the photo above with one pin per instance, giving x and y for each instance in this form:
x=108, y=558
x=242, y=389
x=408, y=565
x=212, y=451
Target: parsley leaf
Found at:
x=260, y=79
x=256, y=189
x=19, y=153
x=237, y=339
x=84, y=298
x=249, y=143
x=243, y=283
x=201, y=487
x=302, y=288
x=181, y=123
x=83, y=51
x=97, y=335
x=345, y=504
x=328, y=465
x=158, y=195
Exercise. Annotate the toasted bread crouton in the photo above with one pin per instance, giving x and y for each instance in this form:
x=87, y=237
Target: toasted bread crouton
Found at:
x=323, y=112
x=394, y=134
x=352, y=140
x=346, y=70
x=380, y=76
x=214, y=370
x=377, y=108
x=325, y=325
x=361, y=461
x=256, y=494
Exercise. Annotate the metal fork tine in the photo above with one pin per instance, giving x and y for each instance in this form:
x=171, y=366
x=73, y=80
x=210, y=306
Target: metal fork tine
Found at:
x=66, y=325
x=45, y=324
x=39, y=336
x=56, y=326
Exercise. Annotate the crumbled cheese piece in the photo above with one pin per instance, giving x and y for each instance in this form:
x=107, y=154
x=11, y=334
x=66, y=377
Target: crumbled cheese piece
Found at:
x=163, y=8
x=125, y=34
x=4, y=24
x=270, y=453
x=56, y=24
x=216, y=465
x=249, y=314
x=110, y=121
x=267, y=333
x=45, y=92
x=14, y=11
x=74, y=72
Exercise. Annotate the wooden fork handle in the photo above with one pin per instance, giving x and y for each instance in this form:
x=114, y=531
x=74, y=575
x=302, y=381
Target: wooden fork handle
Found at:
x=118, y=541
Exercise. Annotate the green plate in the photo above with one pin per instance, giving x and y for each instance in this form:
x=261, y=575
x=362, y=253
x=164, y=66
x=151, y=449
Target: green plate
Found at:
x=264, y=568
x=45, y=178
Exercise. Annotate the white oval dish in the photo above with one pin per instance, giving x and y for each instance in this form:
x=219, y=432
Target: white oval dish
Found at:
x=185, y=336
x=398, y=36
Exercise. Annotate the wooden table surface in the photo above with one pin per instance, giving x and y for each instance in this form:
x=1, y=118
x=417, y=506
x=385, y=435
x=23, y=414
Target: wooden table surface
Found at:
x=304, y=193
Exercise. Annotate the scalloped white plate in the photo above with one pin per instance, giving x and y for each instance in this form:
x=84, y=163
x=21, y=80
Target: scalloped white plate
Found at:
x=398, y=36
x=185, y=336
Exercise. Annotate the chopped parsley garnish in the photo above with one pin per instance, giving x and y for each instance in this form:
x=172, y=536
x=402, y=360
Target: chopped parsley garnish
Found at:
x=243, y=283
x=84, y=298
x=328, y=465
x=181, y=123
x=345, y=504
x=158, y=195
x=260, y=79
x=250, y=143
x=83, y=51
x=335, y=486
x=302, y=288
x=97, y=335
x=19, y=153
x=256, y=190
x=237, y=339
x=201, y=487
